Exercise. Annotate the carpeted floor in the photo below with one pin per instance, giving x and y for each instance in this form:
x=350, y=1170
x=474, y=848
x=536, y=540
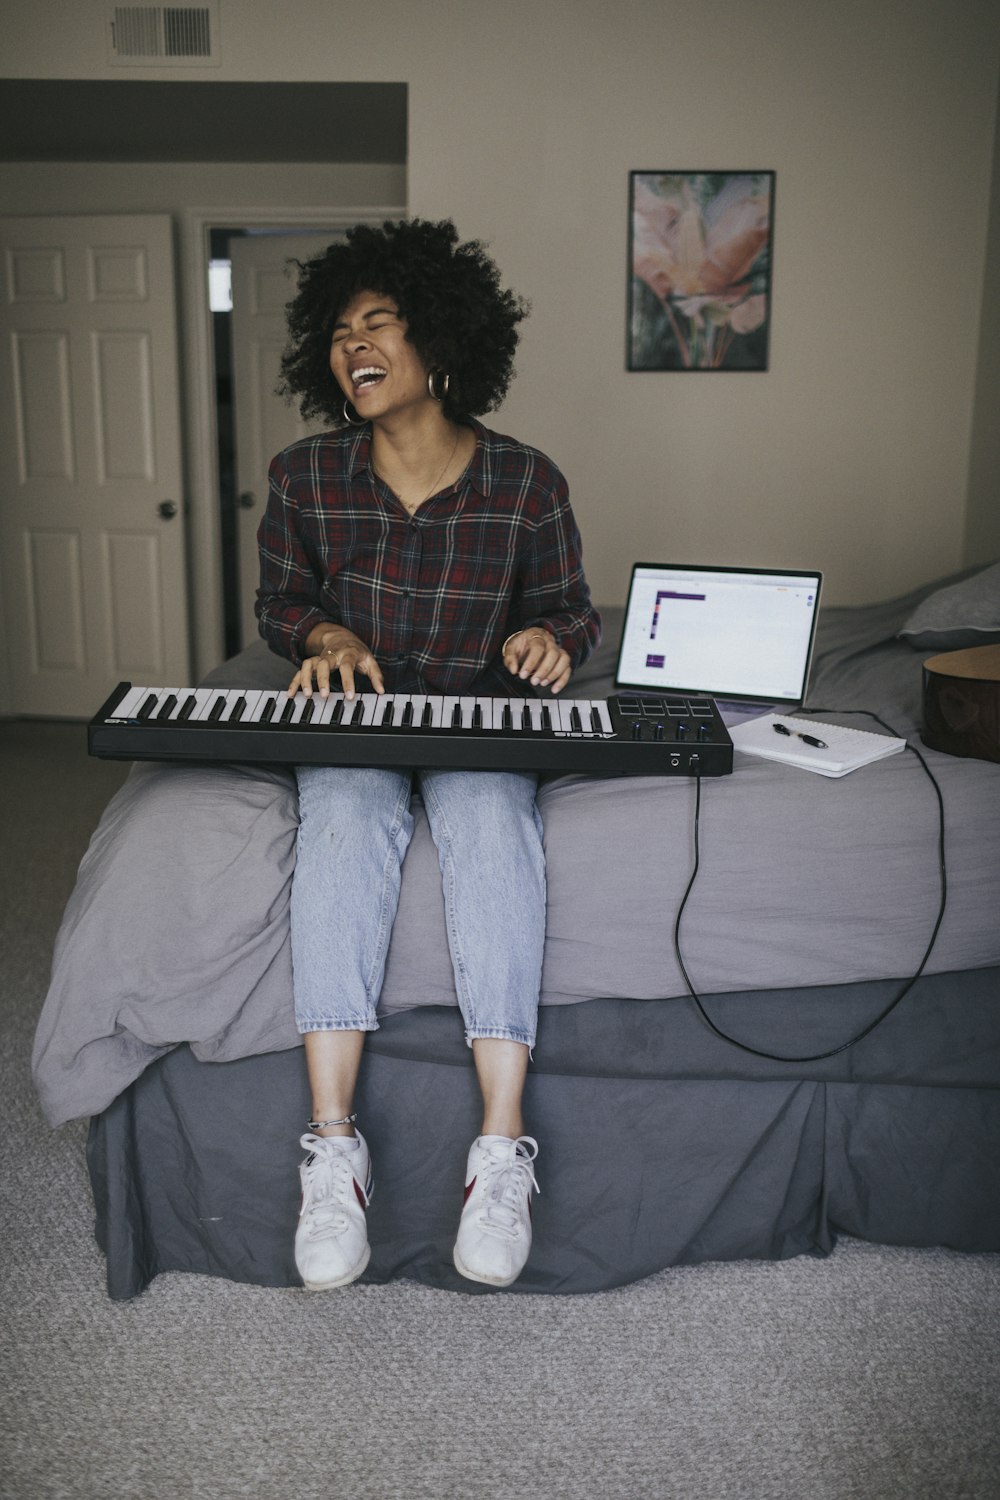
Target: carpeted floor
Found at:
x=873, y=1374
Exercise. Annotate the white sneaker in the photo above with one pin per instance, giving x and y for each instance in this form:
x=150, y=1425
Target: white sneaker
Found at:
x=331, y=1242
x=494, y=1235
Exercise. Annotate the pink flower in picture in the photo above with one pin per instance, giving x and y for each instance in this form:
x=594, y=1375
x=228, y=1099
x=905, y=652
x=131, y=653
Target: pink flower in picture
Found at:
x=700, y=269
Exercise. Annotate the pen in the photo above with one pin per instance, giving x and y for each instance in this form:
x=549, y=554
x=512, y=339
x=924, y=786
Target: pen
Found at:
x=810, y=739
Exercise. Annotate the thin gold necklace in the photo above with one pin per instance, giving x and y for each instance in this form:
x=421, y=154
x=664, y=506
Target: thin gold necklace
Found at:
x=437, y=481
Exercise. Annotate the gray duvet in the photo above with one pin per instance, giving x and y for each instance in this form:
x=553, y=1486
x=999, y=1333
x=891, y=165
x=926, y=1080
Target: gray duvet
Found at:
x=177, y=931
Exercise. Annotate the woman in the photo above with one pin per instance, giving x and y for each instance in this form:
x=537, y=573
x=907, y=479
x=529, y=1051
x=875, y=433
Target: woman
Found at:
x=413, y=550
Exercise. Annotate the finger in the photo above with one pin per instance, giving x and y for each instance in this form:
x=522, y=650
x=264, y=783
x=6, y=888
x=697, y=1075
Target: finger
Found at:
x=302, y=681
x=373, y=672
x=559, y=682
x=323, y=675
x=539, y=658
x=346, y=669
x=533, y=653
x=550, y=666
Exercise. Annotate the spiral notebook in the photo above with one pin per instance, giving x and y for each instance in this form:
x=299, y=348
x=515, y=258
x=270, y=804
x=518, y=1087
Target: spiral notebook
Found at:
x=842, y=750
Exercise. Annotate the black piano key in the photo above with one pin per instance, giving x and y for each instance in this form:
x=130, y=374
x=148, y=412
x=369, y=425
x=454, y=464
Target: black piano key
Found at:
x=575, y=722
x=407, y=718
x=427, y=717
x=338, y=711
x=546, y=717
x=267, y=712
x=237, y=710
x=167, y=706
x=388, y=712
x=215, y=712
x=477, y=716
x=595, y=720
x=526, y=717
x=187, y=708
x=456, y=716
x=506, y=718
x=306, y=716
x=146, y=708
x=288, y=712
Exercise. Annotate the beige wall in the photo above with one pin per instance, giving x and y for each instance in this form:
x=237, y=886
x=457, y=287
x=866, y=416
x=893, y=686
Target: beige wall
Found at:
x=853, y=452
x=982, y=528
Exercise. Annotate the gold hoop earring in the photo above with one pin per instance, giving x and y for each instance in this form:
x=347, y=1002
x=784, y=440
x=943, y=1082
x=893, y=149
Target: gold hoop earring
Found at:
x=445, y=382
x=354, y=421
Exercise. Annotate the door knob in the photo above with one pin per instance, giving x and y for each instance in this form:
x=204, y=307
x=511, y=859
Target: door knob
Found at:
x=167, y=509
x=248, y=499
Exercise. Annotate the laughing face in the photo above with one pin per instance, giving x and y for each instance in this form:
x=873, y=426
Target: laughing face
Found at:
x=372, y=360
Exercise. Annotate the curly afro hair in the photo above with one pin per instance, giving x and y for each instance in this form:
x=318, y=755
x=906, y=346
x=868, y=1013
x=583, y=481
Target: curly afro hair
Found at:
x=459, y=319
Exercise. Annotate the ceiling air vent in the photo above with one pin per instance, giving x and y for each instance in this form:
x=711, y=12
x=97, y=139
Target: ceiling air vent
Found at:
x=179, y=36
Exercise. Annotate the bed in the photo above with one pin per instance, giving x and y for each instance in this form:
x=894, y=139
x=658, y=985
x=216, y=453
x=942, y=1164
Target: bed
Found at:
x=168, y=1021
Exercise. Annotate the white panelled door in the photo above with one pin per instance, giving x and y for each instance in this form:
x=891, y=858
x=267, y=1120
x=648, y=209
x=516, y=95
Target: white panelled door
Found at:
x=264, y=282
x=91, y=497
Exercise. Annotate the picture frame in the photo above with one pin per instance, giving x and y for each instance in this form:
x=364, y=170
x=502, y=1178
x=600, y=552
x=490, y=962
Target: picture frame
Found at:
x=700, y=252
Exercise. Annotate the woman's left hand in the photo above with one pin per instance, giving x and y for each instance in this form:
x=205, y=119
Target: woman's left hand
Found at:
x=534, y=653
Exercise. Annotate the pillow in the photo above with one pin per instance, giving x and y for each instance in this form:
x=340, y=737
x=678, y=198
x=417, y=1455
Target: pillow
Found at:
x=966, y=614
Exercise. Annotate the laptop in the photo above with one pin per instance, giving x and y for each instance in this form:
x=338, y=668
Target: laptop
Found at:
x=743, y=636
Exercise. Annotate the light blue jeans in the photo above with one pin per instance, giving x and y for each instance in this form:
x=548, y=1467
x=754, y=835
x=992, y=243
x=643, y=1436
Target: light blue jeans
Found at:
x=354, y=828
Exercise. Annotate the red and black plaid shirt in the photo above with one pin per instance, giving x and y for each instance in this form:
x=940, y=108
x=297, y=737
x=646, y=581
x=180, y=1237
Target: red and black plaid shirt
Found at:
x=432, y=595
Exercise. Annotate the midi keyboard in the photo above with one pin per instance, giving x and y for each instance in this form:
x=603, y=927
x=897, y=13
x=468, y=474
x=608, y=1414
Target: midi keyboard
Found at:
x=627, y=734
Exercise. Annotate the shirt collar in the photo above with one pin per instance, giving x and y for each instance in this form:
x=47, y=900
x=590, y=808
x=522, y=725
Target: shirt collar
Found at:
x=481, y=468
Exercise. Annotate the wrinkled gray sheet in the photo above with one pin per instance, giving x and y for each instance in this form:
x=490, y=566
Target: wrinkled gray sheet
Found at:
x=177, y=930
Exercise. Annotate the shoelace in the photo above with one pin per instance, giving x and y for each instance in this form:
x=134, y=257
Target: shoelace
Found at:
x=327, y=1189
x=507, y=1178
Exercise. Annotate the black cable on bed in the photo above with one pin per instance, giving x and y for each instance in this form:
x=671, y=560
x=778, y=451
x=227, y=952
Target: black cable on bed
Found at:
x=907, y=985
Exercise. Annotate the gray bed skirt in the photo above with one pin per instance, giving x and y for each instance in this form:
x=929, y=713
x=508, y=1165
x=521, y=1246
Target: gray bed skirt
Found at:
x=660, y=1143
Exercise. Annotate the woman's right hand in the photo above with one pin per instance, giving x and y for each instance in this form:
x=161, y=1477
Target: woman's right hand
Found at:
x=336, y=650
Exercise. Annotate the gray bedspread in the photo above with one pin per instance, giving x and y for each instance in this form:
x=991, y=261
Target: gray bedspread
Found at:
x=804, y=881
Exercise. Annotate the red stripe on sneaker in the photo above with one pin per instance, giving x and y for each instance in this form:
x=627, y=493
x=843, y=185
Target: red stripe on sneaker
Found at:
x=361, y=1193
x=468, y=1191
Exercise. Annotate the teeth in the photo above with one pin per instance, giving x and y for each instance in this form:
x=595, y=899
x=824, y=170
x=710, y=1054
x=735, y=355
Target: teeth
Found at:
x=367, y=374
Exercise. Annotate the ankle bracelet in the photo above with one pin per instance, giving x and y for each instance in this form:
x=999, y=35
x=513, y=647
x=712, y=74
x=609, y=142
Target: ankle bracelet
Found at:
x=322, y=1124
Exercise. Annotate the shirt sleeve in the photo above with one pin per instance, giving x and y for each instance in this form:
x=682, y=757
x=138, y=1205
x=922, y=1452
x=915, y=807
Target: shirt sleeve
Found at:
x=554, y=589
x=287, y=606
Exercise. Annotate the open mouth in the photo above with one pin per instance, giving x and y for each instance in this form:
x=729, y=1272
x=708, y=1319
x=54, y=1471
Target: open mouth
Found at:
x=367, y=377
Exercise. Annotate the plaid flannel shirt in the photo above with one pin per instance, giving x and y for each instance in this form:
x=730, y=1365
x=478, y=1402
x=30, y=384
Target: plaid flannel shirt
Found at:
x=432, y=595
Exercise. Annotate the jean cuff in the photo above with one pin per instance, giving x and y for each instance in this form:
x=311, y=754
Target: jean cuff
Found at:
x=502, y=1034
x=309, y=1023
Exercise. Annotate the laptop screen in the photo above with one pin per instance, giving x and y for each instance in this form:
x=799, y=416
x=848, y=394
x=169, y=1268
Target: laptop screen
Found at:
x=738, y=633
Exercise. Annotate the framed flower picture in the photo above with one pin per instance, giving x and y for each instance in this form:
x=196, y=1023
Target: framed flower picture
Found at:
x=699, y=270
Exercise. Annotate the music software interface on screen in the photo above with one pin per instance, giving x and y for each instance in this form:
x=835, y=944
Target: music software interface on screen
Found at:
x=734, y=633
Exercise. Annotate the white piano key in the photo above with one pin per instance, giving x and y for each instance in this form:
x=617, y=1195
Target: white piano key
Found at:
x=448, y=709
x=534, y=707
x=602, y=709
x=383, y=710
x=325, y=715
x=562, y=710
x=182, y=695
x=436, y=701
x=133, y=701
x=263, y=699
x=418, y=702
x=203, y=700
x=485, y=706
x=253, y=696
